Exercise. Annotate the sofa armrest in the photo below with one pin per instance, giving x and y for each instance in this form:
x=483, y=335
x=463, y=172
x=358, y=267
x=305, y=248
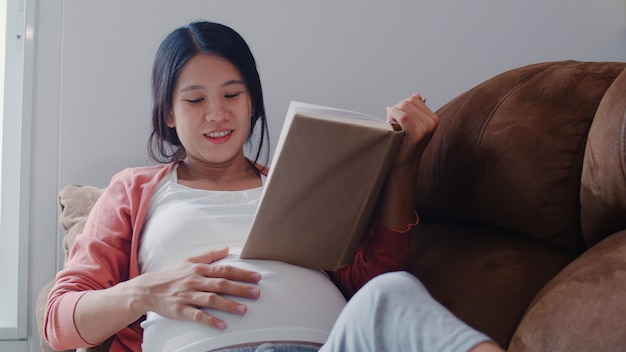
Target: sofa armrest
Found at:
x=583, y=307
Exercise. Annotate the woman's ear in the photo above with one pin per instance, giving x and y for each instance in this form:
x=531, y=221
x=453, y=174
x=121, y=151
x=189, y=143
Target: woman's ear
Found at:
x=169, y=121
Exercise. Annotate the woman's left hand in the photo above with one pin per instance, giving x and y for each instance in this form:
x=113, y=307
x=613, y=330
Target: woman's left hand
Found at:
x=418, y=123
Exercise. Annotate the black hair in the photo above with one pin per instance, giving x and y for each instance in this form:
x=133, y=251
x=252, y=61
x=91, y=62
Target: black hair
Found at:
x=174, y=52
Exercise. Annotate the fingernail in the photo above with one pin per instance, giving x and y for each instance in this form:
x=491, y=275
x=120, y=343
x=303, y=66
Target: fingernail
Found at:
x=256, y=277
x=241, y=308
x=221, y=325
x=254, y=292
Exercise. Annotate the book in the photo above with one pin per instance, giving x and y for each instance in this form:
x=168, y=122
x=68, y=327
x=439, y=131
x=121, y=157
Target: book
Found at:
x=323, y=184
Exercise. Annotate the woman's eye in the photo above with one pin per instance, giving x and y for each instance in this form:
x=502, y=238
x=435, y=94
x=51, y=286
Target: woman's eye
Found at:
x=232, y=96
x=194, y=101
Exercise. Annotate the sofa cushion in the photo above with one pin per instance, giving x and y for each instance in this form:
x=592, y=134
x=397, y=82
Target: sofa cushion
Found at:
x=509, y=152
x=486, y=276
x=583, y=307
x=603, y=188
x=75, y=203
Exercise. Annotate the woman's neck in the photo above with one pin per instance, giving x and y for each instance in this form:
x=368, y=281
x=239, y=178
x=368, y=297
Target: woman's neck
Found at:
x=233, y=176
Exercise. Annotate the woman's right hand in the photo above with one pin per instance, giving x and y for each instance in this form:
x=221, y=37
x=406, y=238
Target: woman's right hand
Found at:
x=180, y=291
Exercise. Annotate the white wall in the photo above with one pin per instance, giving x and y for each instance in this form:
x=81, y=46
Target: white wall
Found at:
x=92, y=107
x=356, y=54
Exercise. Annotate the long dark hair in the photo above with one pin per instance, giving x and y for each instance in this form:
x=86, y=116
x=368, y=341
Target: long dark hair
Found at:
x=174, y=52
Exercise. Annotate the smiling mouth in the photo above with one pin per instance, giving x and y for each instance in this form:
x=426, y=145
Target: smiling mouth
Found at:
x=219, y=134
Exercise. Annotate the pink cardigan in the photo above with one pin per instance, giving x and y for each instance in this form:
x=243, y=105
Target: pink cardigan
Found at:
x=106, y=254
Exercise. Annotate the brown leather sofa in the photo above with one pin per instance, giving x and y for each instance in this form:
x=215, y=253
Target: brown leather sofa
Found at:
x=522, y=199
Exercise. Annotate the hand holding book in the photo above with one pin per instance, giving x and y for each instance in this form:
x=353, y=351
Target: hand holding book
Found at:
x=328, y=170
x=418, y=123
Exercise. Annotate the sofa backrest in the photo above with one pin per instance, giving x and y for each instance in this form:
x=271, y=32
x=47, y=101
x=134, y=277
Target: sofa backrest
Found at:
x=509, y=152
x=603, y=188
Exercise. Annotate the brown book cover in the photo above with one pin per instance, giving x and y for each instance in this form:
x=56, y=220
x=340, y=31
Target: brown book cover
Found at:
x=324, y=180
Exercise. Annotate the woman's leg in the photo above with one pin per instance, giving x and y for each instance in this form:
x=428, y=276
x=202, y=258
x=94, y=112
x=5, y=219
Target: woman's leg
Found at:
x=395, y=312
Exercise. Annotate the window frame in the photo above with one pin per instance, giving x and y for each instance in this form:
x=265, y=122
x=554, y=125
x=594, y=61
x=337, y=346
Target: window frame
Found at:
x=15, y=159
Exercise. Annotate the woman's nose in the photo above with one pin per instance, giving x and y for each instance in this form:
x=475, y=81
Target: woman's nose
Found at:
x=216, y=112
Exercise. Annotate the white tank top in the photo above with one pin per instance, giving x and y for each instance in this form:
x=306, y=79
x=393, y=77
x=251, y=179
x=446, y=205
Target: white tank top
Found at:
x=296, y=304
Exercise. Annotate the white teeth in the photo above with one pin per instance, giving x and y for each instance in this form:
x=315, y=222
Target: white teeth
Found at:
x=219, y=134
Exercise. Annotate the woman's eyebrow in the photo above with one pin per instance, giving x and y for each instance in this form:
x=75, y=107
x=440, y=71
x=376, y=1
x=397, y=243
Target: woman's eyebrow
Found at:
x=200, y=87
x=233, y=82
x=192, y=87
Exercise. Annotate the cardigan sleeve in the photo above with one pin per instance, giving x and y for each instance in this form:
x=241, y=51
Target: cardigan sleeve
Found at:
x=382, y=250
x=98, y=259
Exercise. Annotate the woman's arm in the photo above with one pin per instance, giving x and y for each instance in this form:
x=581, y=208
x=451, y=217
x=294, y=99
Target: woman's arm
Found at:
x=397, y=207
x=98, y=259
x=387, y=246
x=177, y=293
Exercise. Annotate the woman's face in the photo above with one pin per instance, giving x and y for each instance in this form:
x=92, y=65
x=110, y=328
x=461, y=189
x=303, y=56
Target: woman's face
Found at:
x=211, y=110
